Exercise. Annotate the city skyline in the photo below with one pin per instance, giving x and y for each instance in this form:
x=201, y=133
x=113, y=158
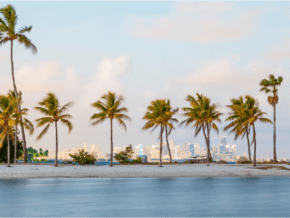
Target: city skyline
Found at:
x=220, y=151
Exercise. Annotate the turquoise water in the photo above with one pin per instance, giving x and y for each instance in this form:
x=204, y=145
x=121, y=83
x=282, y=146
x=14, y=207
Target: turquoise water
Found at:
x=145, y=197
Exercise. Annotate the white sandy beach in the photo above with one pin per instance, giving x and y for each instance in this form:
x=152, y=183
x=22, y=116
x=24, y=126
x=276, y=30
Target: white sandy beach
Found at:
x=134, y=171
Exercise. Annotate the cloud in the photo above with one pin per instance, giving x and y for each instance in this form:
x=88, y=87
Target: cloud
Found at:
x=200, y=22
x=107, y=78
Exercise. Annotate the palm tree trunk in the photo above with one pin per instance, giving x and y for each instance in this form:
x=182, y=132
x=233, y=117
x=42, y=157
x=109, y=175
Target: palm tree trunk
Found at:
x=111, y=159
x=255, y=145
x=249, y=147
x=274, y=136
x=56, y=144
x=15, y=144
x=170, y=158
x=208, y=142
x=160, y=153
x=8, y=149
x=18, y=105
x=207, y=145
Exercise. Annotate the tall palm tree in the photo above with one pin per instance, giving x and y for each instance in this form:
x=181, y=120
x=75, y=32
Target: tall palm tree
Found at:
x=159, y=113
x=8, y=33
x=271, y=86
x=170, y=121
x=53, y=112
x=254, y=114
x=237, y=118
x=202, y=114
x=26, y=123
x=110, y=108
x=7, y=108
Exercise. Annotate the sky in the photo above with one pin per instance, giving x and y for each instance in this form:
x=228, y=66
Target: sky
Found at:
x=147, y=51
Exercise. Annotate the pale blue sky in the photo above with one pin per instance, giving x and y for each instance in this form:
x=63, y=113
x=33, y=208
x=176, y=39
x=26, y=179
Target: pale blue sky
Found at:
x=164, y=49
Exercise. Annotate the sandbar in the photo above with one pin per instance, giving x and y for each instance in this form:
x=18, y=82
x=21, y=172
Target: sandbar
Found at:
x=28, y=171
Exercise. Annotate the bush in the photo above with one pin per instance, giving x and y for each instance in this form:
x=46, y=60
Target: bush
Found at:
x=3, y=150
x=137, y=160
x=222, y=162
x=123, y=156
x=83, y=158
x=243, y=160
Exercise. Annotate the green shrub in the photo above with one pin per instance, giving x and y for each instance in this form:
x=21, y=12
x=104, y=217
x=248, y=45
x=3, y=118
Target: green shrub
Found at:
x=83, y=158
x=222, y=162
x=123, y=156
x=137, y=160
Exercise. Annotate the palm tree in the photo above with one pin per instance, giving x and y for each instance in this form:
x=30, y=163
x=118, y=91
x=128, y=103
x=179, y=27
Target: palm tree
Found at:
x=202, y=114
x=8, y=33
x=26, y=123
x=53, y=112
x=7, y=108
x=254, y=114
x=170, y=122
x=237, y=118
x=271, y=86
x=110, y=108
x=158, y=114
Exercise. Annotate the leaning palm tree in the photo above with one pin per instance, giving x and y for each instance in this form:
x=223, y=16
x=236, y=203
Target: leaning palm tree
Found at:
x=202, y=114
x=26, y=123
x=7, y=108
x=254, y=114
x=237, y=118
x=271, y=86
x=53, y=113
x=8, y=33
x=158, y=114
x=110, y=108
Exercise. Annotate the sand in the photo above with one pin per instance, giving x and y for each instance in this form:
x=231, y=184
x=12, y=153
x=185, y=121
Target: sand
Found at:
x=137, y=171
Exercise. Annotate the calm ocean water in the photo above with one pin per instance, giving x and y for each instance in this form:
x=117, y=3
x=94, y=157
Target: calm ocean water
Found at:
x=145, y=197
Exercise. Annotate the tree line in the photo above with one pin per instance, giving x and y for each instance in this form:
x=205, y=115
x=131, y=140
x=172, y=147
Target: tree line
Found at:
x=201, y=114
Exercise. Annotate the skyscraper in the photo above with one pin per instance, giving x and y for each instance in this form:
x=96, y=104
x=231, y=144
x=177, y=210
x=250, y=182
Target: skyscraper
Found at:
x=191, y=149
x=223, y=142
x=85, y=147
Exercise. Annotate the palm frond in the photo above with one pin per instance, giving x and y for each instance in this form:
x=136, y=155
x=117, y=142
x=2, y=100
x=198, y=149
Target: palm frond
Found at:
x=67, y=123
x=22, y=39
x=44, y=131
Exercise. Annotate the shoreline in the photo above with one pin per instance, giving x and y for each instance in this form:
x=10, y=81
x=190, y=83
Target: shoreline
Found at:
x=38, y=171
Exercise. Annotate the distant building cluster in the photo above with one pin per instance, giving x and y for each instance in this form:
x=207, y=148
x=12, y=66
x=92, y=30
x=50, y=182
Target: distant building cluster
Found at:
x=152, y=153
x=64, y=154
x=178, y=152
x=186, y=151
x=223, y=151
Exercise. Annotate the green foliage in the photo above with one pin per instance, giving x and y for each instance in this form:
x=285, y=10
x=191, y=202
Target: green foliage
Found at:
x=137, y=160
x=8, y=32
x=53, y=112
x=123, y=156
x=30, y=150
x=83, y=158
x=110, y=108
x=3, y=151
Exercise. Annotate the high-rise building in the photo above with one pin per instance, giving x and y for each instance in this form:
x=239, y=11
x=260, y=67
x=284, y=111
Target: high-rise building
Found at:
x=197, y=151
x=146, y=151
x=85, y=147
x=223, y=142
x=117, y=150
x=93, y=148
x=171, y=143
x=191, y=149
